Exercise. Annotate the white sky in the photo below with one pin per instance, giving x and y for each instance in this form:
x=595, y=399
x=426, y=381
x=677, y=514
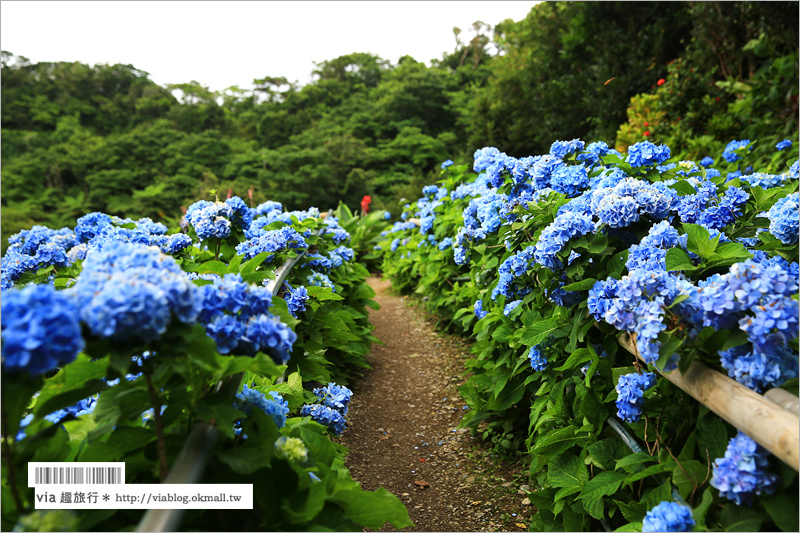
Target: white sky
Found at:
x=220, y=44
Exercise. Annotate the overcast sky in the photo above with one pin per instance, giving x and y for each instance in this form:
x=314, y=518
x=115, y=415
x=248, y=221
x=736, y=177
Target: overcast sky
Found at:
x=220, y=44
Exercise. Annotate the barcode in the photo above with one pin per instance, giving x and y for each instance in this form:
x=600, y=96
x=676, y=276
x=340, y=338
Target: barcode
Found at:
x=78, y=475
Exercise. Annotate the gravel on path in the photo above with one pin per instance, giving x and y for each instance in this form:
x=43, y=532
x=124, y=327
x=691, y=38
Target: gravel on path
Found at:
x=402, y=430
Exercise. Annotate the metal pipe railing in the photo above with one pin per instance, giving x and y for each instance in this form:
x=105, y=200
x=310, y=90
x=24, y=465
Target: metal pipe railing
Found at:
x=194, y=456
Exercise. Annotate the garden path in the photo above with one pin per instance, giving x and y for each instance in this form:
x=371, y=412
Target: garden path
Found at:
x=402, y=429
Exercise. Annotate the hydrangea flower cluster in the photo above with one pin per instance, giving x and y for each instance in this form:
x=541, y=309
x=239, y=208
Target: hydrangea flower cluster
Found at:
x=555, y=236
x=478, y=309
x=319, y=279
x=741, y=474
x=668, y=516
x=332, y=227
x=333, y=406
x=33, y=249
x=292, y=449
x=272, y=242
x=783, y=145
x=630, y=390
x=296, y=299
x=784, y=219
x=730, y=155
x=131, y=291
x=274, y=405
x=335, y=396
x=40, y=329
x=326, y=416
x=213, y=220
x=538, y=354
x=646, y=153
x=758, y=296
x=236, y=315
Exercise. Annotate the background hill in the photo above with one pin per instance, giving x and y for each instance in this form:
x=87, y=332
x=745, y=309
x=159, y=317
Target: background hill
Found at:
x=696, y=75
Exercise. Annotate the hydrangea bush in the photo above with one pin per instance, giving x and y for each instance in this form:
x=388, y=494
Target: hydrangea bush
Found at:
x=552, y=257
x=118, y=338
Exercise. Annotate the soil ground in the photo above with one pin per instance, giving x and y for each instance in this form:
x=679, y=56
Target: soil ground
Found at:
x=403, y=429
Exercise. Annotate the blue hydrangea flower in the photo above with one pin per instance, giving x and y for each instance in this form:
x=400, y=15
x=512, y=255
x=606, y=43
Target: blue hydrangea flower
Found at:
x=131, y=291
x=266, y=333
x=274, y=405
x=478, y=309
x=273, y=241
x=562, y=149
x=387, y=215
x=335, y=396
x=630, y=390
x=559, y=232
x=784, y=220
x=617, y=211
x=537, y=358
x=646, y=153
x=730, y=154
x=325, y=416
x=40, y=329
x=741, y=474
x=570, y=180
x=668, y=516
x=783, y=145
x=707, y=161
x=296, y=299
x=447, y=163
x=319, y=279
x=511, y=306
x=760, y=369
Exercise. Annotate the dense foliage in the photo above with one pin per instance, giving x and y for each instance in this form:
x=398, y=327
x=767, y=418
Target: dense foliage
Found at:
x=546, y=260
x=79, y=138
x=115, y=336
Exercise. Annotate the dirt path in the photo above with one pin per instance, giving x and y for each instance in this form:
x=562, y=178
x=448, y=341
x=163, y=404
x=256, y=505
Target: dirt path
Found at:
x=402, y=430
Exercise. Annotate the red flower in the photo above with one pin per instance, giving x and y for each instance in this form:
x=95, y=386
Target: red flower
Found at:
x=647, y=134
x=365, y=204
x=662, y=81
x=646, y=124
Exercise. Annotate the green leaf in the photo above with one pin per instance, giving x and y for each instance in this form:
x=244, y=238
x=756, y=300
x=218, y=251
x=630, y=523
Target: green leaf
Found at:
x=539, y=331
x=649, y=471
x=74, y=382
x=740, y=518
x=699, y=240
x=567, y=470
x=575, y=359
x=711, y=436
x=733, y=250
x=677, y=260
x=683, y=188
x=604, y=453
x=583, y=285
x=699, y=512
x=373, y=509
x=244, y=459
x=121, y=441
x=782, y=508
x=685, y=482
x=295, y=383
x=634, y=459
x=603, y=484
x=633, y=526
x=632, y=511
x=556, y=442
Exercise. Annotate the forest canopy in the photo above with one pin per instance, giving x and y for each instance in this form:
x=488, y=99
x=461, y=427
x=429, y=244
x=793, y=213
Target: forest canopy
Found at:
x=695, y=75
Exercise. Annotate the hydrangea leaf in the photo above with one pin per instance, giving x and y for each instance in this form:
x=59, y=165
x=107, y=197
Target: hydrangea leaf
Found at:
x=603, y=484
x=782, y=508
x=566, y=471
x=740, y=518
